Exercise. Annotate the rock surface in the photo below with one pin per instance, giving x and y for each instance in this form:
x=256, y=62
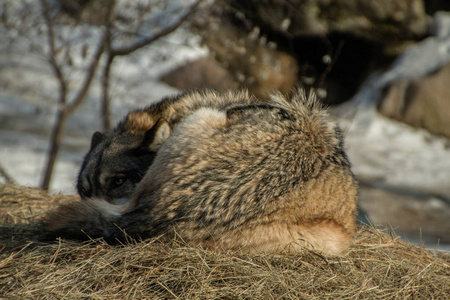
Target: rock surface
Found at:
x=253, y=62
x=422, y=103
x=331, y=45
x=412, y=215
x=204, y=72
x=385, y=21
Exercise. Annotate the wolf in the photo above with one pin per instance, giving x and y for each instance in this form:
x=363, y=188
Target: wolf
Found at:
x=118, y=160
x=258, y=177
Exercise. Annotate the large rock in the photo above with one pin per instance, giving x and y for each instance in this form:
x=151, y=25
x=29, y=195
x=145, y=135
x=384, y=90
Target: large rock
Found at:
x=384, y=21
x=408, y=213
x=253, y=62
x=331, y=45
x=422, y=103
x=204, y=72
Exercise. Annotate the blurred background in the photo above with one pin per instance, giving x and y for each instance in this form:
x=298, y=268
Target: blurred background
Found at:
x=71, y=67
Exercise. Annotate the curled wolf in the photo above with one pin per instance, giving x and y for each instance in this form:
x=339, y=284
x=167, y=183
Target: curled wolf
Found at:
x=263, y=177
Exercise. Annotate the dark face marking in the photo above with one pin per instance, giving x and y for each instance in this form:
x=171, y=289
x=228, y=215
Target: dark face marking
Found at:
x=112, y=171
x=117, y=162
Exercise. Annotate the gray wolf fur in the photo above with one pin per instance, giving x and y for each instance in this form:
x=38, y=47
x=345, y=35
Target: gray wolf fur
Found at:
x=118, y=160
x=263, y=177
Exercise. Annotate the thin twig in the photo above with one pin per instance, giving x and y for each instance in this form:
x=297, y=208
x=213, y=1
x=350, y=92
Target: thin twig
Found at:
x=52, y=55
x=65, y=109
x=79, y=97
x=150, y=39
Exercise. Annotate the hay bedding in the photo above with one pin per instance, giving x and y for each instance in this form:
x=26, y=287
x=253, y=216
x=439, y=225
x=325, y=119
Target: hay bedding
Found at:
x=377, y=266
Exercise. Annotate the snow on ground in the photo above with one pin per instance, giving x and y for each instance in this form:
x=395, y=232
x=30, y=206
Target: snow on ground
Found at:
x=401, y=156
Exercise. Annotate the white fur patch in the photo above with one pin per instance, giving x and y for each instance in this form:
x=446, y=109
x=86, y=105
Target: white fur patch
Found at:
x=206, y=117
x=109, y=209
x=119, y=201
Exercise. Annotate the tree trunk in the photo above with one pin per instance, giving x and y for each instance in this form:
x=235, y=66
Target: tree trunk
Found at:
x=55, y=142
x=106, y=101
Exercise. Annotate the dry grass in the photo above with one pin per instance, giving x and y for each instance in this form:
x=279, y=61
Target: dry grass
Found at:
x=377, y=266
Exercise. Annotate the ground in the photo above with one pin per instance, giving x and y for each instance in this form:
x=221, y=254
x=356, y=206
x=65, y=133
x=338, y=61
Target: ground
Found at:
x=377, y=265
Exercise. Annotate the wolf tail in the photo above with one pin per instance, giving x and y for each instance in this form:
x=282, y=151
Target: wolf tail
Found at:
x=83, y=220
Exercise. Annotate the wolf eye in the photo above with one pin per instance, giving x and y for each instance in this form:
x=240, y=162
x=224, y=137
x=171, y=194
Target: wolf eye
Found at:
x=118, y=181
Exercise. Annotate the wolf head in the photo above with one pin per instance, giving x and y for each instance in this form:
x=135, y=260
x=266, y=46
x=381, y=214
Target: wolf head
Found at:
x=117, y=161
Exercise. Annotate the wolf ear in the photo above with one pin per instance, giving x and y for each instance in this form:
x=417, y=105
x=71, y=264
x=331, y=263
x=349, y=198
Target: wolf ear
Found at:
x=96, y=139
x=157, y=135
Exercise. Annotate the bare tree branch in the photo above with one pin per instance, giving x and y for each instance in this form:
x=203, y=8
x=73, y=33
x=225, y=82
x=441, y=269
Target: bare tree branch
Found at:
x=67, y=108
x=105, y=76
x=105, y=110
x=64, y=109
x=90, y=72
x=52, y=55
x=150, y=39
x=125, y=50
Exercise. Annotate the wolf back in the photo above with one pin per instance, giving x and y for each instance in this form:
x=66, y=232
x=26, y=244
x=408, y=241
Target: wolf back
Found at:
x=117, y=161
